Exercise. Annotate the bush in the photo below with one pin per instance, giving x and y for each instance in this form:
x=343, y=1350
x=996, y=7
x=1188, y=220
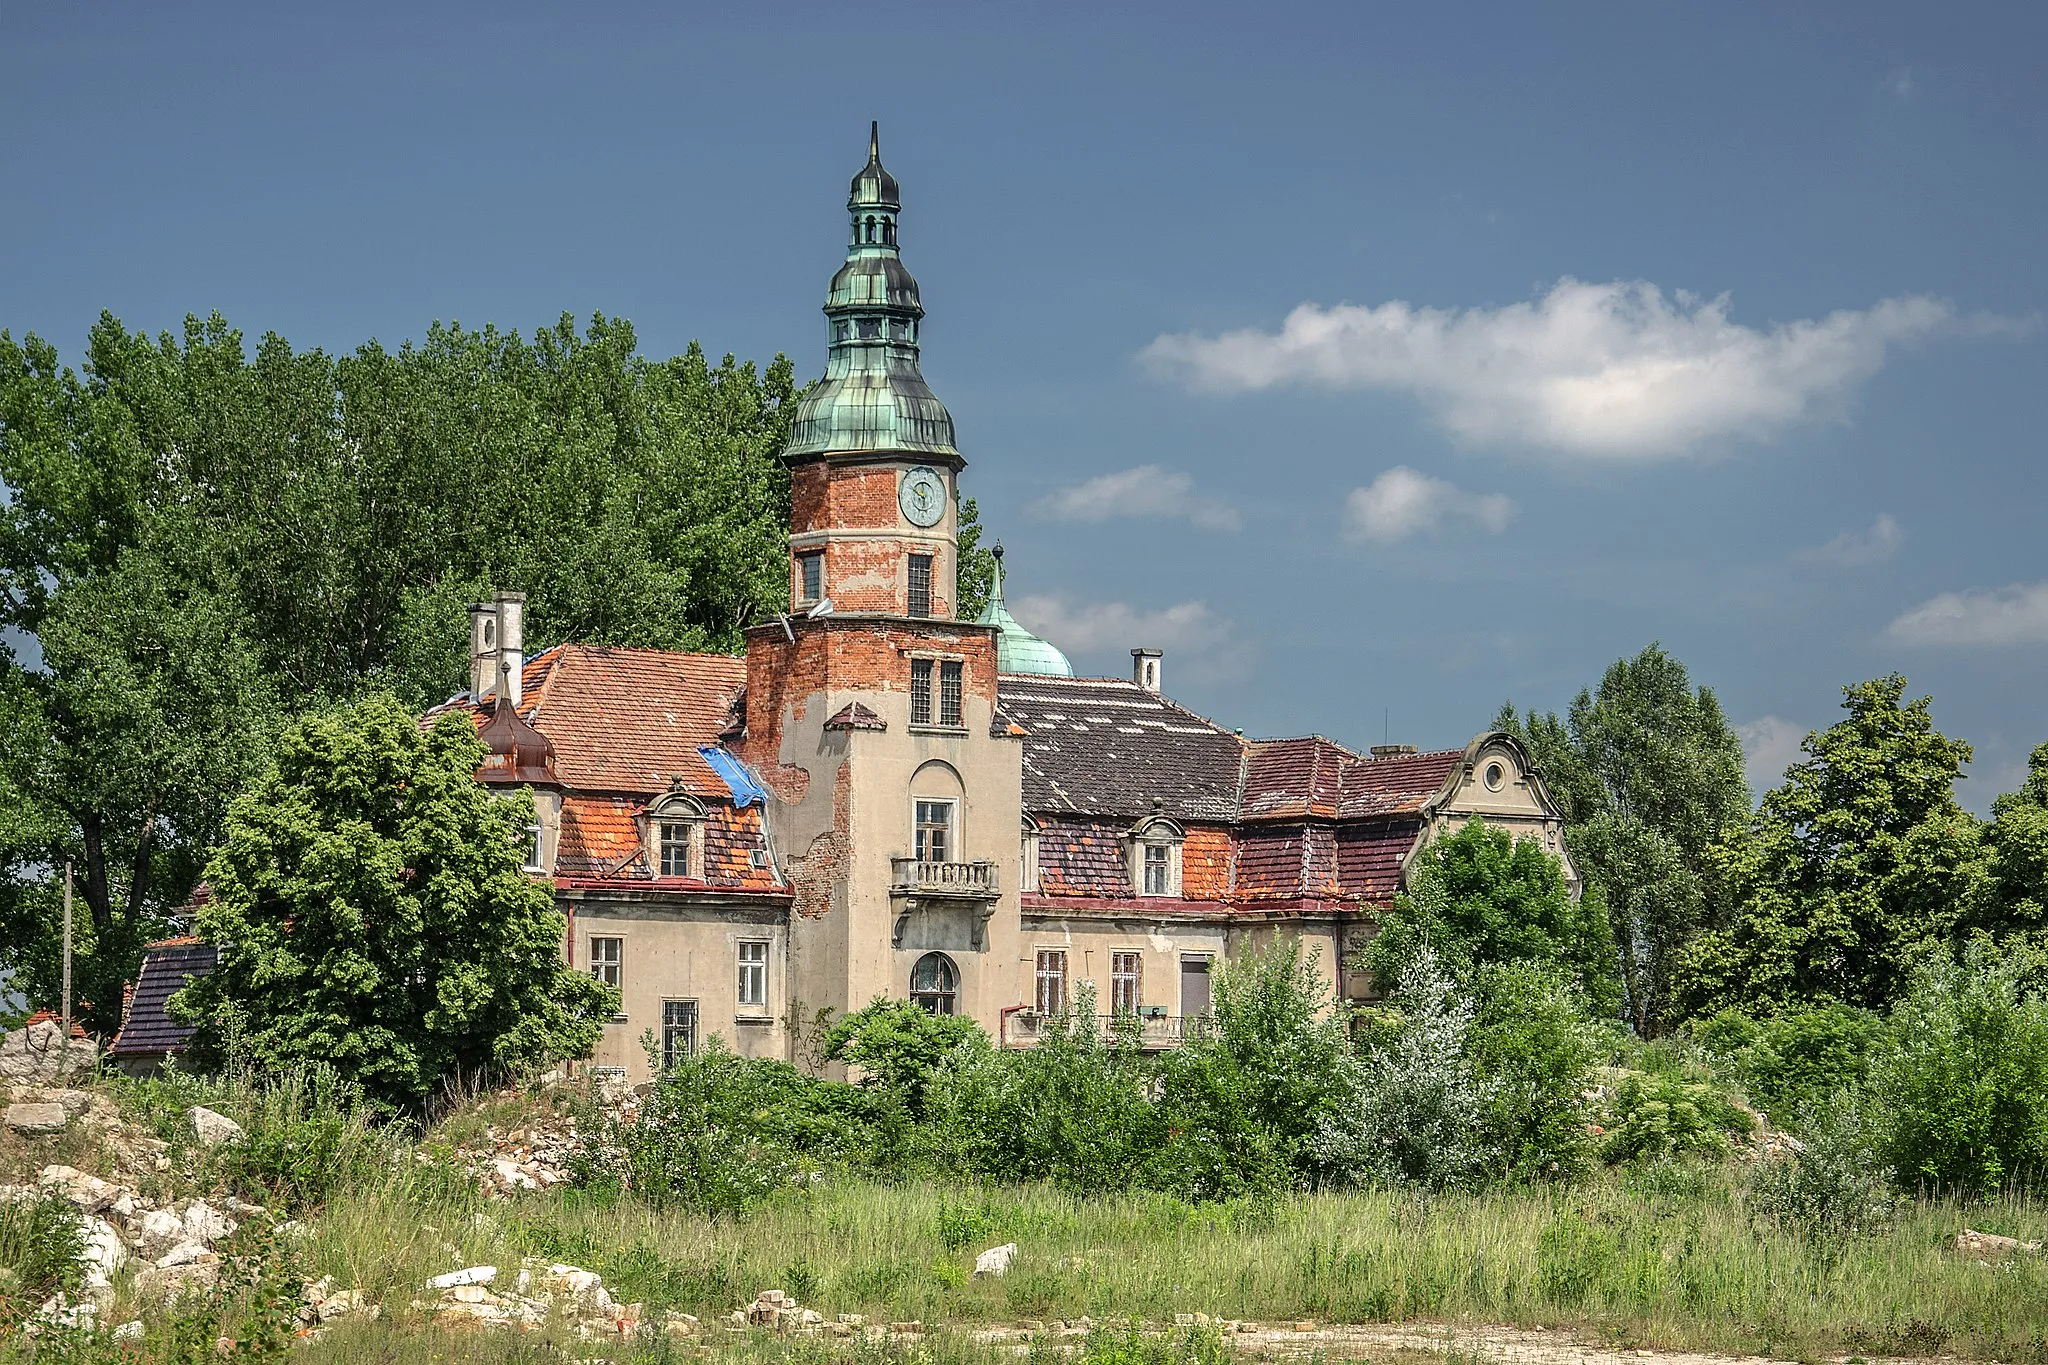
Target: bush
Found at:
x=1412, y=1110
x=1531, y=1045
x=1962, y=1088
x=1789, y=1062
x=898, y=1045
x=1128, y=1343
x=1834, y=1183
x=1660, y=1116
x=307, y=1135
x=720, y=1133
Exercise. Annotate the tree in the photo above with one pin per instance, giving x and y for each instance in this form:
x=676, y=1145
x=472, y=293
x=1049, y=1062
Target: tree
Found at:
x=1649, y=773
x=898, y=1045
x=199, y=539
x=977, y=572
x=2016, y=842
x=1849, y=875
x=1481, y=898
x=371, y=912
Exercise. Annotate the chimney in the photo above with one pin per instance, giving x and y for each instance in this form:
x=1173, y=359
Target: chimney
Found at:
x=483, y=650
x=511, y=613
x=1145, y=668
x=1392, y=750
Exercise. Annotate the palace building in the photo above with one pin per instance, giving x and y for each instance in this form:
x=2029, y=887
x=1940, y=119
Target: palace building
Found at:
x=882, y=799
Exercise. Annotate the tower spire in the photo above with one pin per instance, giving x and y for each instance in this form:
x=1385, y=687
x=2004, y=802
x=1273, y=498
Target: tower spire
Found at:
x=874, y=142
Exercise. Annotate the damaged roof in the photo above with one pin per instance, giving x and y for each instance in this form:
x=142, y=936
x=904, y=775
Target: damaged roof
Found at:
x=1100, y=746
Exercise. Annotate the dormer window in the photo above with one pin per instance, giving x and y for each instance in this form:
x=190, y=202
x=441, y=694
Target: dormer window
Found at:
x=674, y=834
x=1155, y=862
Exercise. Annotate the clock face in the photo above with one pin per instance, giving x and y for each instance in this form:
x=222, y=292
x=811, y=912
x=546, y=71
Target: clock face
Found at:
x=922, y=497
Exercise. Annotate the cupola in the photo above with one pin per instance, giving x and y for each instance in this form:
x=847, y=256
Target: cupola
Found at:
x=873, y=397
x=1017, y=649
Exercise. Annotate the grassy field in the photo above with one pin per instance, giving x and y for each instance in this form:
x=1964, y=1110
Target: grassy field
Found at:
x=1667, y=1259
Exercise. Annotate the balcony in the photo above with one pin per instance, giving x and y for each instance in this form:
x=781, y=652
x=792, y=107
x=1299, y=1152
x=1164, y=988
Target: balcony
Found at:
x=1153, y=1032
x=946, y=881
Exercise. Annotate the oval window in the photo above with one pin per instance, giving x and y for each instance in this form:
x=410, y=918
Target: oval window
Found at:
x=1495, y=775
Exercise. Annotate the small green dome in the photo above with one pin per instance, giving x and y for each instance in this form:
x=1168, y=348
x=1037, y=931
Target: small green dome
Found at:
x=1017, y=649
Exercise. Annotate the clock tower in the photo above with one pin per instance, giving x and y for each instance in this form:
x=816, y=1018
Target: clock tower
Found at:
x=870, y=709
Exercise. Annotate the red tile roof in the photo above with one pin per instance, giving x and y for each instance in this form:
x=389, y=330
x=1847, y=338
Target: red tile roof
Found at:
x=1295, y=777
x=1398, y=785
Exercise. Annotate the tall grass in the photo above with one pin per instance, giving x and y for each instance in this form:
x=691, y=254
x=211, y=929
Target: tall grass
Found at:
x=1667, y=1258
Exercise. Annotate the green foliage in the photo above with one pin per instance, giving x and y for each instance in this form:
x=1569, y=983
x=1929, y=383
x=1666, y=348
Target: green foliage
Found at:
x=976, y=574
x=1531, y=1049
x=1962, y=1091
x=1482, y=897
x=202, y=539
x=1665, y=1116
x=41, y=1241
x=371, y=912
x=2016, y=845
x=307, y=1135
x=1834, y=1183
x=1855, y=869
x=1129, y=1343
x=1805, y=1059
x=1649, y=774
x=721, y=1133
x=1411, y=1109
x=898, y=1045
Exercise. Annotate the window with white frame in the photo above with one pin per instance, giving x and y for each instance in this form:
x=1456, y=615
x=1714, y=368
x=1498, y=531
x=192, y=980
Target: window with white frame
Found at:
x=1052, y=980
x=935, y=984
x=1155, y=857
x=935, y=837
x=753, y=973
x=675, y=839
x=608, y=960
x=1126, y=982
x=673, y=828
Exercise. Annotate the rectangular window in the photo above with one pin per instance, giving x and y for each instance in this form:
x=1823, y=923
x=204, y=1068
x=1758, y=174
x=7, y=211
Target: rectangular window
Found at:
x=920, y=585
x=1158, y=870
x=533, y=847
x=1030, y=860
x=949, y=692
x=675, y=848
x=934, y=831
x=753, y=973
x=678, y=1031
x=1126, y=982
x=811, y=573
x=920, y=691
x=1052, y=981
x=608, y=960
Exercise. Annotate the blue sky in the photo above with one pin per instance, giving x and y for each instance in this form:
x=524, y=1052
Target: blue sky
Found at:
x=1377, y=365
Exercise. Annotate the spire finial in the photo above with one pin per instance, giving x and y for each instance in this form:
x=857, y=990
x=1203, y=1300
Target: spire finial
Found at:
x=874, y=140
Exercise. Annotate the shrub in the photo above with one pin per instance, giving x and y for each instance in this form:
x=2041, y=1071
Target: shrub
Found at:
x=1801, y=1060
x=307, y=1135
x=1532, y=1046
x=1833, y=1183
x=898, y=1045
x=1658, y=1116
x=1412, y=1110
x=1128, y=1343
x=1962, y=1088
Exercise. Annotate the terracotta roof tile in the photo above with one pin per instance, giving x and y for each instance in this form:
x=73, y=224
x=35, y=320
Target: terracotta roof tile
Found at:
x=1399, y=785
x=854, y=716
x=1295, y=778
x=1082, y=858
x=1369, y=857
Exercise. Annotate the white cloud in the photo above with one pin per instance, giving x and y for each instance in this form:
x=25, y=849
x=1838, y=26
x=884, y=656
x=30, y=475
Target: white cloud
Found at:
x=1900, y=82
x=1613, y=371
x=1148, y=492
x=1854, y=549
x=2016, y=614
x=1770, y=744
x=1199, y=643
x=1402, y=502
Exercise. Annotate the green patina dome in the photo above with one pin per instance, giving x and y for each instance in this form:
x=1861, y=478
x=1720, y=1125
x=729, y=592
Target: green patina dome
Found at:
x=872, y=398
x=1017, y=649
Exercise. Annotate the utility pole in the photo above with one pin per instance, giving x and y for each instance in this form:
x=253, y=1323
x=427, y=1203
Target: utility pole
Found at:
x=67, y=952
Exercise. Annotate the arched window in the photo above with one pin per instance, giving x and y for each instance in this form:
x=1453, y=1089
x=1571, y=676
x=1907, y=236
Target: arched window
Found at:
x=888, y=232
x=672, y=833
x=1155, y=861
x=871, y=227
x=935, y=984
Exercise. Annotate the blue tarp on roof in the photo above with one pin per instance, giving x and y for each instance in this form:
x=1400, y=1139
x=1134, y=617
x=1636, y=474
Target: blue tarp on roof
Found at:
x=745, y=791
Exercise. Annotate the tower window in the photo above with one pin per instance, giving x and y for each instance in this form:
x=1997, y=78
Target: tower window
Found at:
x=920, y=585
x=811, y=575
x=935, y=984
x=920, y=691
x=888, y=231
x=871, y=228
x=934, y=831
x=870, y=329
x=949, y=692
